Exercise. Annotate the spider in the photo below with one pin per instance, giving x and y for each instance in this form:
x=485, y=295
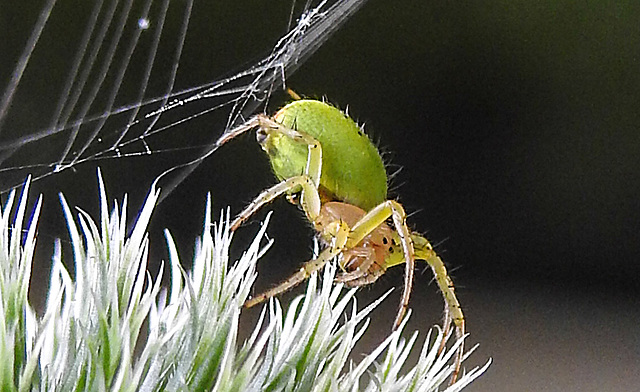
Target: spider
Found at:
x=328, y=166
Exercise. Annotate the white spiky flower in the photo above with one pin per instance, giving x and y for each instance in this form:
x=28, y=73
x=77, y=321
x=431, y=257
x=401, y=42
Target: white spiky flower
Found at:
x=86, y=339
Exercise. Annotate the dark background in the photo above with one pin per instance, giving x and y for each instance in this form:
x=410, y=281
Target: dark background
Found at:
x=515, y=122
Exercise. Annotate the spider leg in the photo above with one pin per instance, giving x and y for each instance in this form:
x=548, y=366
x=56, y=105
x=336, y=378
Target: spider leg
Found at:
x=393, y=209
x=453, y=310
x=310, y=202
x=314, y=157
x=340, y=233
x=308, y=183
x=375, y=218
x=253, y=122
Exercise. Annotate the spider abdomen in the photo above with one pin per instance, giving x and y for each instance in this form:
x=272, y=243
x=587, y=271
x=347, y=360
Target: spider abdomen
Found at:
x=352, y=169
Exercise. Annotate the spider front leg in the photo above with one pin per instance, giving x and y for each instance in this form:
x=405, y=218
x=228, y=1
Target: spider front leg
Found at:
x=339, y=231
x=307, y=183
x=414, y=246
x=310, y=200
x=374, y=218
x=453, y=310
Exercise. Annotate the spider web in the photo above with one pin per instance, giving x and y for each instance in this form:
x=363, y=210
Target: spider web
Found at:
x=117, y=86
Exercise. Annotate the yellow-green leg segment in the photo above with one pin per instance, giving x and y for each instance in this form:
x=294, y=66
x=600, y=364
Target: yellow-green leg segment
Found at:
x=453, y=310
x=340, y=232
x=374, y=218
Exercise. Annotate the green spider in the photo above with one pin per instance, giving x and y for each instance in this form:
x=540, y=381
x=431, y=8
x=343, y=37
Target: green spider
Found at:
x=331, y=169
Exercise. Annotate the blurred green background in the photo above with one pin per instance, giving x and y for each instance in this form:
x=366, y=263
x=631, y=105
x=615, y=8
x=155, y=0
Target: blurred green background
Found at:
x=515, y=122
